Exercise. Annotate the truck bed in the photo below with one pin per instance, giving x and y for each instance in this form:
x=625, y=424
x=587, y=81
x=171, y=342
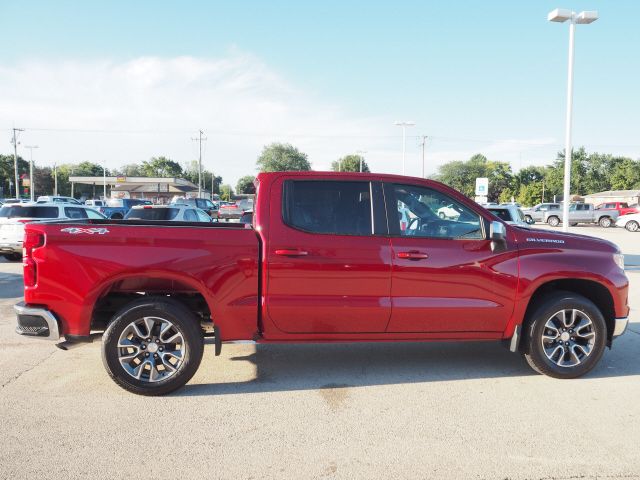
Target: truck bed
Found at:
x=87, y=266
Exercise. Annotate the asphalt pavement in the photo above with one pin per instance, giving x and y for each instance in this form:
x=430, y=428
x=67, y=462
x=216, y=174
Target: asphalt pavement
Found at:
x=431, y=410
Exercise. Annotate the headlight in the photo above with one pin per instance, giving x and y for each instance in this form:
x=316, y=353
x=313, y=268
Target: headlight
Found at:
x=619, y=259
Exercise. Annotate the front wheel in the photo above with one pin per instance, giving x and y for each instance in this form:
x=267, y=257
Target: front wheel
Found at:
x=529, y=219
x=605, y=222
x=153, y=346
x=553, y=221
x=632, y=226
x=565, y=336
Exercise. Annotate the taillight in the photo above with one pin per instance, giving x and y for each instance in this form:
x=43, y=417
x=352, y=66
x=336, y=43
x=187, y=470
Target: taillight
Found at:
x=31, y=240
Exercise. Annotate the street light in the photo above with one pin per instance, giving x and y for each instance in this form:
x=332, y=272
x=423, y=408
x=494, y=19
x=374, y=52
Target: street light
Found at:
x=360, y=154
x=31, y=182
x=561, y=15
x=404, y=125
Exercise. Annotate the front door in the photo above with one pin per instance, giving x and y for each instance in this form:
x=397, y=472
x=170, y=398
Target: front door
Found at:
x=328, y=257
x=445, y=275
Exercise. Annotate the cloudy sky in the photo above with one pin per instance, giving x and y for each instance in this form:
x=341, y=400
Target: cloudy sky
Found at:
x=119, y=83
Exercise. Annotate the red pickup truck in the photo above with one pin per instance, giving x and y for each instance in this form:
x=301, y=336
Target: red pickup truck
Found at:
x=330, y=257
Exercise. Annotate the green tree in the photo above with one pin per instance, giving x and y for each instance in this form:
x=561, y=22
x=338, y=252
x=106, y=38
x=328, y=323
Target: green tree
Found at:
x=246, y=185
x=530, y=194
x=350, y=163
x=43, y=181
x=282, y=157
x=131, y=170
x=7, y=174
x=161, y=167
x=226, y=192
x=625, y=175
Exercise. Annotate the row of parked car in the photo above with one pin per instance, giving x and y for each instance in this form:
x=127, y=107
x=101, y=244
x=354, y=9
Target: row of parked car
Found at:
x=606, y=215
x=14, y=214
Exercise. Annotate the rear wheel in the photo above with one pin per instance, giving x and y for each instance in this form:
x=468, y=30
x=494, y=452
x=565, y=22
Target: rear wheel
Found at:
x=632, y=226
x=553, y=221
x=565, y=336
x=153, y=346
x=605, y=222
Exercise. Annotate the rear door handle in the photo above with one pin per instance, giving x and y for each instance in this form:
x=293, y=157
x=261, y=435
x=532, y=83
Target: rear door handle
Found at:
x=291, y=252
x=412, y=255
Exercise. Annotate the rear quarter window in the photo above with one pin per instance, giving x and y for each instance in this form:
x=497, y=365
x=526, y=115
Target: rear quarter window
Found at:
x=29, y=212
x=152, y=214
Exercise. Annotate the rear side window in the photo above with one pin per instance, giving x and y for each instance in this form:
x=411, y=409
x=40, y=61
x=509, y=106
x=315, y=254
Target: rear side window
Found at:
x=29, y=212
x=340, y=208
x=75, y=213
x=152, y=214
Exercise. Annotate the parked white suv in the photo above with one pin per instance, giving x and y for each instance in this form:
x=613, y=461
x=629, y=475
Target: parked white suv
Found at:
x=14, y=216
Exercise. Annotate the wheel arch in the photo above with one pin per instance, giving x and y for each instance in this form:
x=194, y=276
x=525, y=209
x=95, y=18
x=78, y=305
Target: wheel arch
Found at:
x=116, y=292
x=590, y=289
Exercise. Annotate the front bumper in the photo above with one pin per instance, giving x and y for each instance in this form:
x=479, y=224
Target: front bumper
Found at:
x=36, y=322
x=620, y=326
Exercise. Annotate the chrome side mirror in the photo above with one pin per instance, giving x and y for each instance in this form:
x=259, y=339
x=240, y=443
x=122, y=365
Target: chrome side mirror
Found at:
x=498, y=236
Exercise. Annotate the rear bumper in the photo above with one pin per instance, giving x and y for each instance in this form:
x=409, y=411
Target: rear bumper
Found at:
x=36, y=322
x=620, y=326
x=12, y=247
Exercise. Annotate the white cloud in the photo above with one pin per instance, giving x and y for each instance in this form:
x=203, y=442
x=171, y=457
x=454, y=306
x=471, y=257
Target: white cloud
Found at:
x=130, y=111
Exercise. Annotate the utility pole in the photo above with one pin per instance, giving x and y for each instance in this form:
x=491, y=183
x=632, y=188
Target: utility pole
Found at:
x=199, y=140
x=424, y=141
x=55, y=180
x=31, y=182
x=15, y=159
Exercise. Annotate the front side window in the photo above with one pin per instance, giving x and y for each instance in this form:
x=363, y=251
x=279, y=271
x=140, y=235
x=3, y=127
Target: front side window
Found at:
x=202, y=216
x=333, y=207
x=190, y=216
x=424, y=212
x=94, y=215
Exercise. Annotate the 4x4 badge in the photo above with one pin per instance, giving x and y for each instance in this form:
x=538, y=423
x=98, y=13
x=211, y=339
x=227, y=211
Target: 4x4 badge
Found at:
x=90, y=231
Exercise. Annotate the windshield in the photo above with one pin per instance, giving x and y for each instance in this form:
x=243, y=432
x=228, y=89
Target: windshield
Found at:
x=28, y=212
x=152, y=214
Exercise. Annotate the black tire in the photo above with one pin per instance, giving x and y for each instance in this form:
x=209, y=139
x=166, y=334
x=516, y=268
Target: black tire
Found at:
x=605, y=222
x=184, y=322
x=553, y=221
x=533, y=350
x=632, y=226
x=529, y=219
x=13, y=257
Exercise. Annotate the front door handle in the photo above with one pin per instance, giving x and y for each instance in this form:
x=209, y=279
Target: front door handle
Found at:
x=291, y=252
x=412, y=255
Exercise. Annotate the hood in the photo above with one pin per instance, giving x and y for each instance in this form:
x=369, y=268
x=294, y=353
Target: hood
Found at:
x=540, y=238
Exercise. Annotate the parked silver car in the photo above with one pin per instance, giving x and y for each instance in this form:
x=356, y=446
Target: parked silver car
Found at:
x=536, y=213
x=582, y=213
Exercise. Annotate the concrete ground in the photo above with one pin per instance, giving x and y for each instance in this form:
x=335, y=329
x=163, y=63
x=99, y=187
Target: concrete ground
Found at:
x=348, y=411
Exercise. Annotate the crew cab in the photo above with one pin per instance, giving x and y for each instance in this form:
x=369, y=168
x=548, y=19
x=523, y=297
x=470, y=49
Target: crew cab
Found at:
x=327, y=259
x=623, y=208
x=581, y=213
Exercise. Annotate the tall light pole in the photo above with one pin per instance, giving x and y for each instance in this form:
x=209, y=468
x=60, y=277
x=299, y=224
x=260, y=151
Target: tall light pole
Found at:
x=404, y=126
x=104, y=180
x=55, y=179
x=423, y=143
x=199, y=140
x=15, y=159
x=561, y=15
x=361, y=153
x=31, y=182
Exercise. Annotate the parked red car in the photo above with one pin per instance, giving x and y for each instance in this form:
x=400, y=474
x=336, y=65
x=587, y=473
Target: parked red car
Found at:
x=326, y=261
x=622, y=207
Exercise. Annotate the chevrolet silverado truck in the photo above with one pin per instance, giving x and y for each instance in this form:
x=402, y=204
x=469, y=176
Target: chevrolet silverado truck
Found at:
x=581, y=213
x=328, y=258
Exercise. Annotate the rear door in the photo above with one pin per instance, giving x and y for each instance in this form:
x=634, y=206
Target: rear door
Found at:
x=328, y=257
x=444, y=276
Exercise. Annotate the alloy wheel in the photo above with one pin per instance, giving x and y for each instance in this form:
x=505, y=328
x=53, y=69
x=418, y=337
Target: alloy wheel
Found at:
x=151, y=349
x=568, y=337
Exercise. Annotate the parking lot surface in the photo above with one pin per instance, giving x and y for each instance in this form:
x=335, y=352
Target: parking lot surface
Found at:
x=431, y=410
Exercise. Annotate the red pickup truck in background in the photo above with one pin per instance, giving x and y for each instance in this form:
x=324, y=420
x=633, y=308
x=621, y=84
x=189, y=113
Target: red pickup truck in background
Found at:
x=622, y=208
x=331, y=257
